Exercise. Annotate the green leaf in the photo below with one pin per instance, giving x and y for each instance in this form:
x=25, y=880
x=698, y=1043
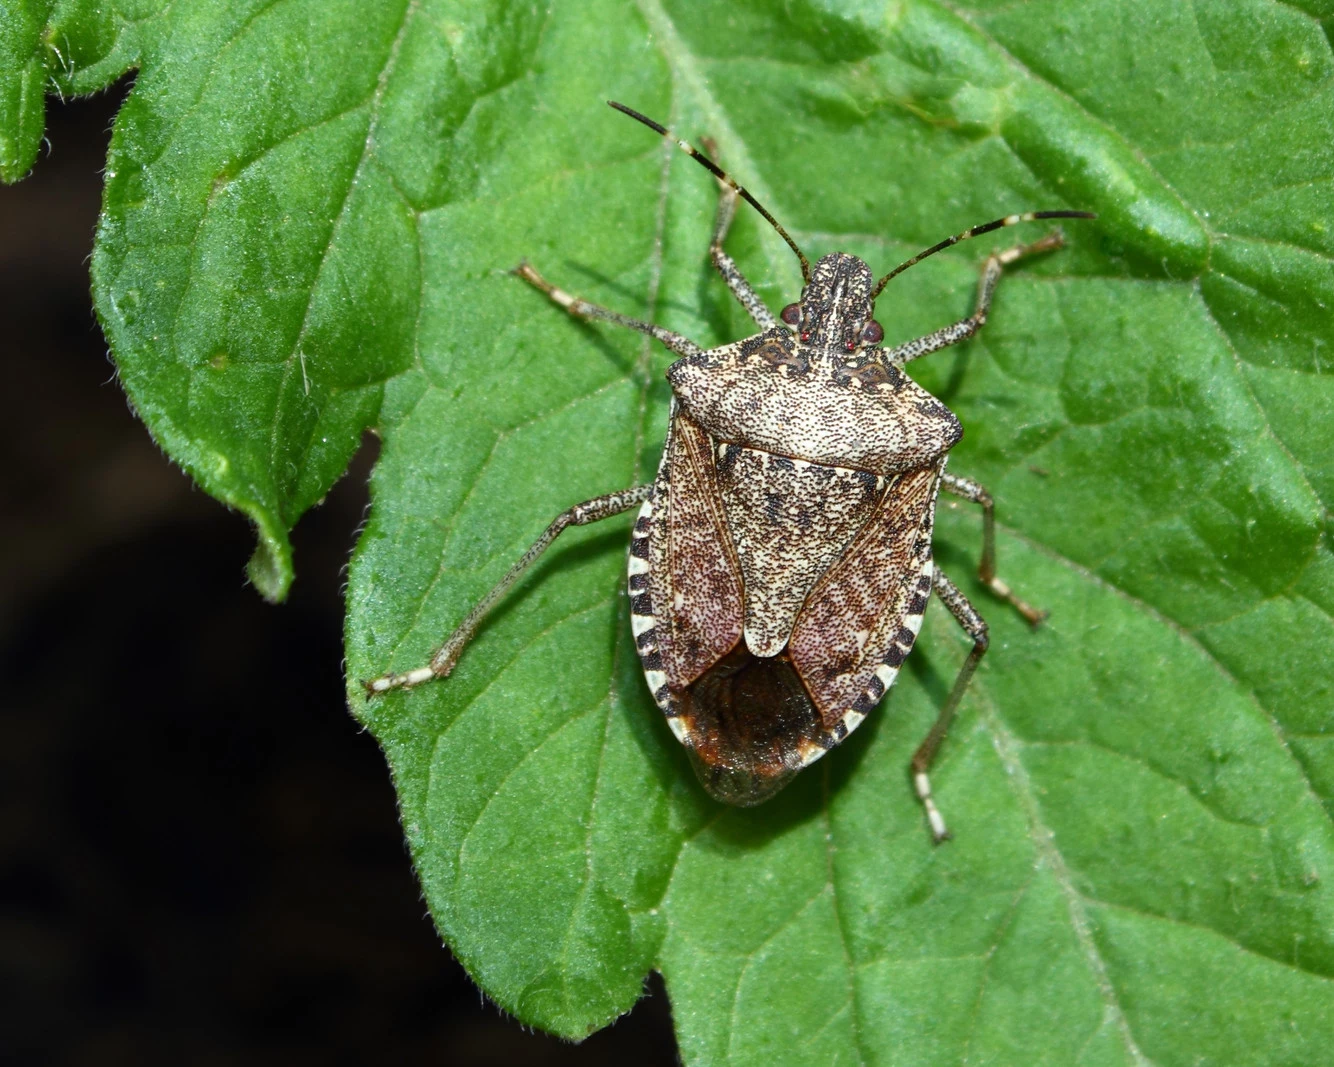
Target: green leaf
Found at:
x=22, y=86
x=310, y=211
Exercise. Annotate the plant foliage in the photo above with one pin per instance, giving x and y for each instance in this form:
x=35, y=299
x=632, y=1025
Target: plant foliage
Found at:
x=309, y=213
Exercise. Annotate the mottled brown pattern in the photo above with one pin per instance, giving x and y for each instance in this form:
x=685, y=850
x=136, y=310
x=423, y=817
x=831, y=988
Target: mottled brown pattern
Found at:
x=855, y=614
x=789, y=521
x=837, y=303
x=694, y=577
x=814, y=405
x=775, y=352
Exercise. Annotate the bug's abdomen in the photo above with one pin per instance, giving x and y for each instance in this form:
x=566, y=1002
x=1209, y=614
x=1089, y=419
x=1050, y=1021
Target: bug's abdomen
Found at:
x=749, y=726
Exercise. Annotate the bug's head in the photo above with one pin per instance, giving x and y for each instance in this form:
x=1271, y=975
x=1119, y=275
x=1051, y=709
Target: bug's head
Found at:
x=836, y=306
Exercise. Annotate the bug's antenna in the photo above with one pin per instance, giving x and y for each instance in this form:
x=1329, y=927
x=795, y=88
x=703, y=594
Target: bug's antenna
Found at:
x=722, y=176
x=977, y=231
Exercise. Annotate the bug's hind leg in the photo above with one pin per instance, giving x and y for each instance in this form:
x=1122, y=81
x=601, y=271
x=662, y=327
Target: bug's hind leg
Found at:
x=447, y=655
x=582, y=309
x=726, y=266
x=986, y=570
x=986, y=289
x=925, y=755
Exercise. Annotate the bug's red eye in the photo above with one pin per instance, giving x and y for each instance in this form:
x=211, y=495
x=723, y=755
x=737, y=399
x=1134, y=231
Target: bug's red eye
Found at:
x=873, y=334
x=791, y=314
x=850, y=345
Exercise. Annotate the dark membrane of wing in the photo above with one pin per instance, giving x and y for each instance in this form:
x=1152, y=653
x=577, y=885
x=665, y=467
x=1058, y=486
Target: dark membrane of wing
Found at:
x=748, y=718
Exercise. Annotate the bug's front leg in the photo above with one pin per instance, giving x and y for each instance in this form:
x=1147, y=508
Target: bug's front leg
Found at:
x=925, y=756
x=582, y=309
x=986, y=570
x=447, y=655
x=986, y=289
x=726, y=266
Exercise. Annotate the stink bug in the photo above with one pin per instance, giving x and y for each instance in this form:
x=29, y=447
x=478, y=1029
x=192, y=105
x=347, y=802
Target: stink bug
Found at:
x=781, y=561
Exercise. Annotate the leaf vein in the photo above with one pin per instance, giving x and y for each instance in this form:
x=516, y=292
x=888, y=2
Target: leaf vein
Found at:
x=528, y=754
x=1186, y=635
x=1017, y=775
x=984, y=978
x=1173, y=920
x=751, y=955
x=451, y=524
x=367, y=150
x=840, y=922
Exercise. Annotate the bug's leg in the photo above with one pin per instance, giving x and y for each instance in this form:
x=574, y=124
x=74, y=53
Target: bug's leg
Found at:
x=602, y=507
x=582, y=309
x=726, y=266
x=986, y=571
x=986, y=288
x=925, y=755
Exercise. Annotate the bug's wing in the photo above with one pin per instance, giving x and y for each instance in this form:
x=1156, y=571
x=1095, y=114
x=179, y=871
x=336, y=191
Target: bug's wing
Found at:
x=694, y=578
x=862, y=618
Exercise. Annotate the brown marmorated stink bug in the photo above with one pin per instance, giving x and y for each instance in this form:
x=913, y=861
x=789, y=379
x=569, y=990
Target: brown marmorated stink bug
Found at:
x=781, y=561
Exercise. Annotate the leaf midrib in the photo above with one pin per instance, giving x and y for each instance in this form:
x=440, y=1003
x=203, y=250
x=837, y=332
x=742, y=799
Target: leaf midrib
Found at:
x=682, y=63
x=1044, y=844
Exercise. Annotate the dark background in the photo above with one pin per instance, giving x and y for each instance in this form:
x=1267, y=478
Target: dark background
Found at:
x=200, y=856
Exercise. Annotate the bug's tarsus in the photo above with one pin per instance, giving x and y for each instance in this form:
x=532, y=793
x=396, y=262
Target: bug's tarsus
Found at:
x=986, y=289
x=398, y=680
x=528, y=273
x=447, y=655
x=978, y=231
x=967, y=489
x=967, y=617
x=582, y=309
x=1050, y=243
x=722, y=175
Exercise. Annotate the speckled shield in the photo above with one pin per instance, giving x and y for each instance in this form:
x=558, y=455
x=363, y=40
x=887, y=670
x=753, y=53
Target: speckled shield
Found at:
x=780, y=568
